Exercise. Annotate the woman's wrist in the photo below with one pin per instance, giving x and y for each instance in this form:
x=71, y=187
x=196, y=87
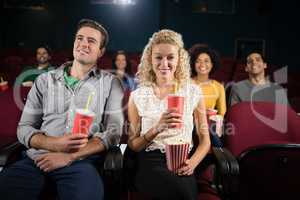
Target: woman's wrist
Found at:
x=157, y=129
x=146, y=139
x=194, y=161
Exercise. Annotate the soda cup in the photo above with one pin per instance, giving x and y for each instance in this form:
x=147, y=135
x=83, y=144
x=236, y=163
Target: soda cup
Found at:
x=211, y=112
x=176, y=102
x=82, y=121
x=3, y=86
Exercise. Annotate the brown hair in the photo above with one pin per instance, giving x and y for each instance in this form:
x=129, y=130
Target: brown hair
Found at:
x=95, y=25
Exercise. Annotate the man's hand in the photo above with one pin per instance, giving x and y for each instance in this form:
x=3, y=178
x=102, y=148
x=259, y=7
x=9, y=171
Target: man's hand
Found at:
x=27, y=84
x=70, y=142
x=51, y=161
x=65, y=143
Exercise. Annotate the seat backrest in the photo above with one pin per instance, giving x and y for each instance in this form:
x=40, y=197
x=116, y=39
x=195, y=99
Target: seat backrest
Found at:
x=270, y=172
x=226, y=70
x=251, y=124
x=10, y=110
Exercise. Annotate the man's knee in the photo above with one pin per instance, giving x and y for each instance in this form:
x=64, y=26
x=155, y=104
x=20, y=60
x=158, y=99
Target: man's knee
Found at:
x=83, y=183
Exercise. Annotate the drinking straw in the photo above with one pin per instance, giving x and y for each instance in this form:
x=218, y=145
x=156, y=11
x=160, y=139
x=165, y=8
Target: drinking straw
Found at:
x=89, y=101
x=175, y=87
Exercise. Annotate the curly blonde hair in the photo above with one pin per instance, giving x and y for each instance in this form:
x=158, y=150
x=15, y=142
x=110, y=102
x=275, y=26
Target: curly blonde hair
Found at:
x=145, y=72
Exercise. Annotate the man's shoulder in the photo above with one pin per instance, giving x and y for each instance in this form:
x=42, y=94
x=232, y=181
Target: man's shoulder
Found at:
x=104, y=74
x=26, y=68
x=51, y=73
x=275, y=85
x=240, y=85
x=108, y=80
x=243, y=82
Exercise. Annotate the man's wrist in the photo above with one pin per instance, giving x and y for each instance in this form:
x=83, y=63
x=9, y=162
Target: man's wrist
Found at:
x=36, y=140
x=73, y=157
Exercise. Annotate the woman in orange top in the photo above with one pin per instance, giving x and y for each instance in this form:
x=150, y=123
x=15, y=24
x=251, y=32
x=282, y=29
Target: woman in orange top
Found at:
x=203, y=61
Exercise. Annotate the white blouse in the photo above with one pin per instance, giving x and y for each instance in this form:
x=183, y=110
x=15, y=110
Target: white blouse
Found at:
x=150, y=109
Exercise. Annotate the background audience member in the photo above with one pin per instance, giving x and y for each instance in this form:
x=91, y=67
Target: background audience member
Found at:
x=122, y=69
x=29, y=74
x=203, y=61
x=257, y=87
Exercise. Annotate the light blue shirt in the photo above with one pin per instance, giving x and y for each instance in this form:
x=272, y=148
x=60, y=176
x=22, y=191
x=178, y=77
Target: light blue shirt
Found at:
x=51, y=105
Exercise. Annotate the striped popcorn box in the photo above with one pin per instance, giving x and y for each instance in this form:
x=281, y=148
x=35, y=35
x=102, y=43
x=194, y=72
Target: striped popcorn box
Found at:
x=176, y=155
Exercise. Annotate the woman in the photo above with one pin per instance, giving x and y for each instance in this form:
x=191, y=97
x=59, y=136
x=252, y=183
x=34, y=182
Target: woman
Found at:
x=122, y=68
x=165, y=62
x=203, y=61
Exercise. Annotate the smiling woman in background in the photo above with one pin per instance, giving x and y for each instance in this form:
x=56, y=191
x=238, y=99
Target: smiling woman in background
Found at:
x=122, y=69
x=203, y=61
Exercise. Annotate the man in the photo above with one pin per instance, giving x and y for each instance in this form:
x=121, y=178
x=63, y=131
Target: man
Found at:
x=29, y=74
x=257, y=87
x=53, y=152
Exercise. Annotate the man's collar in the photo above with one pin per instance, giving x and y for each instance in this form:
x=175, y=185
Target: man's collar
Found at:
x=60, y=71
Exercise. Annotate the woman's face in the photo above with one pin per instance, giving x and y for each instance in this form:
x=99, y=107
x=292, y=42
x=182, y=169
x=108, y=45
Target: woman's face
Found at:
x=121, y=62
x=203, y=64
x=164, y=58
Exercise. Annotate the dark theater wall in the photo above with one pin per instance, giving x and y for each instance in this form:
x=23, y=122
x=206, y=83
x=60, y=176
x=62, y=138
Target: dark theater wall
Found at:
x=285, y=40
x=217, y=30
x=129, y=26
x=273, y=21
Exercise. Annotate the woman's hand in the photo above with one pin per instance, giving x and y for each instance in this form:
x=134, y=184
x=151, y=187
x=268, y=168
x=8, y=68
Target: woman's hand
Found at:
x=169, y=119
x=188, y=168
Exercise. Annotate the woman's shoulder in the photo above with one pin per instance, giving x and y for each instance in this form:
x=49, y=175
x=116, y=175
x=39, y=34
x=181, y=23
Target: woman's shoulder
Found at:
x=191, y=84
x=142, y=90
x=194, y=86
x=193, y=93
x=217, y=83
x=191, y=88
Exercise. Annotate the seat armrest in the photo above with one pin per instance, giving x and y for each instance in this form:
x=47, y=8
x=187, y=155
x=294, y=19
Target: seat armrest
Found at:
x=227, y=172
x=226, y=161
x=221, y=160
x=233, y=163
x=9, y=152
x=113, y=159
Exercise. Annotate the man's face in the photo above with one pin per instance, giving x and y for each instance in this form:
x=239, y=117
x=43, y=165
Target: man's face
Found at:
x=255, y=64
x=86, y=49
x=42, y=56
